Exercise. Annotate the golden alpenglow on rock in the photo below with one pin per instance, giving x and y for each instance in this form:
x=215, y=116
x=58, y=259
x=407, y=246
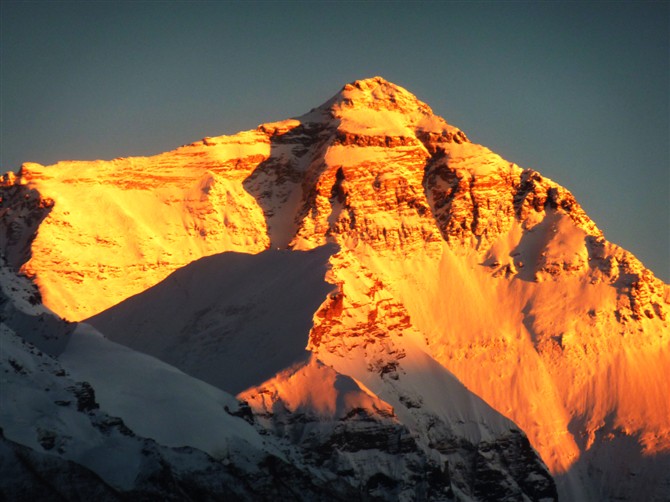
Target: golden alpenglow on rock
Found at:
x=399, y=288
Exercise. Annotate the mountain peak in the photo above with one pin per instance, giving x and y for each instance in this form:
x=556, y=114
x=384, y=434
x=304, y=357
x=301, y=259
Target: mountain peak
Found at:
x=378, y=87
x=376, y=107
x=379, y=94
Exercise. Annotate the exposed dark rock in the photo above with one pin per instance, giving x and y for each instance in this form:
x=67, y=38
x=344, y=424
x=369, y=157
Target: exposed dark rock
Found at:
x=85, y=396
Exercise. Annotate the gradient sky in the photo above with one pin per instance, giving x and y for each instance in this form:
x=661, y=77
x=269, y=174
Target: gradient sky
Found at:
x=578, y=91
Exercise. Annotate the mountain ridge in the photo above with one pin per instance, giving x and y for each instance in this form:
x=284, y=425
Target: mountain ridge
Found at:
x=447, y=253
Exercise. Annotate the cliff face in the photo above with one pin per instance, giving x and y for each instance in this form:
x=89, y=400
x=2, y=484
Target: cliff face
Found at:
x=448, y=257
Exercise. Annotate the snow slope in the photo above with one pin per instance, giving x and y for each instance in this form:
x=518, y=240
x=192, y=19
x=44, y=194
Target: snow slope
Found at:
x=233, y=320
x=97, y=419
x=453, y=265
x=159, y=214
x=58, y=422
x=325, y=411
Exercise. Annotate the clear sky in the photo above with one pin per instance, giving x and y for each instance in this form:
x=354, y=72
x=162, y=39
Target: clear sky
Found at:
x=578, y=91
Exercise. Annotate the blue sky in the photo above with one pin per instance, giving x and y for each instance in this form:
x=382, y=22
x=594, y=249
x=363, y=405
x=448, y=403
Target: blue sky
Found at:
x=578, y=91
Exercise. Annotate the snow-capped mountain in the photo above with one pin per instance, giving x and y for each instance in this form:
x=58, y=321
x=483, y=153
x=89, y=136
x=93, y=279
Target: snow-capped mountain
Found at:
x=400, y=313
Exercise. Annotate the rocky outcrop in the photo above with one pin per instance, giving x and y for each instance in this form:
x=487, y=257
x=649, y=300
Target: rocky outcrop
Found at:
x=22, y=210
x=343, y=428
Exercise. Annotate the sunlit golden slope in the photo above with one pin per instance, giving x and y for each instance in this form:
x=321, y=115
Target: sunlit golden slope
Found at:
x=118, y=227
x=493, y=270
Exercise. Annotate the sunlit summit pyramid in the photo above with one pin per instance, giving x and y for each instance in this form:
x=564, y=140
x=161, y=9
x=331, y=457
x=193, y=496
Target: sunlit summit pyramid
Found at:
x=444, y=299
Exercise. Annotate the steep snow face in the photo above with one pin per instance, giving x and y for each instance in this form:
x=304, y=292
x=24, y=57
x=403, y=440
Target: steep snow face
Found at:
x=233, y=320
x=121, y=226
x=55, y=372
x=448, y=253
x=105, y=422
x=367, y=334
x=343, y=423
x=158, y=401
x=217, y=319
x=65, y=441
x=346, y=426
x=314, y=389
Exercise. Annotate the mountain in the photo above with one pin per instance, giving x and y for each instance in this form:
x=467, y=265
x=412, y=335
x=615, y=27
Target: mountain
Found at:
x=83, y=416
x=389, y=302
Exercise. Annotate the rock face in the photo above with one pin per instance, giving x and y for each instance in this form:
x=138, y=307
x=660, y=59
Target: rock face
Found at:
x=446, y=264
